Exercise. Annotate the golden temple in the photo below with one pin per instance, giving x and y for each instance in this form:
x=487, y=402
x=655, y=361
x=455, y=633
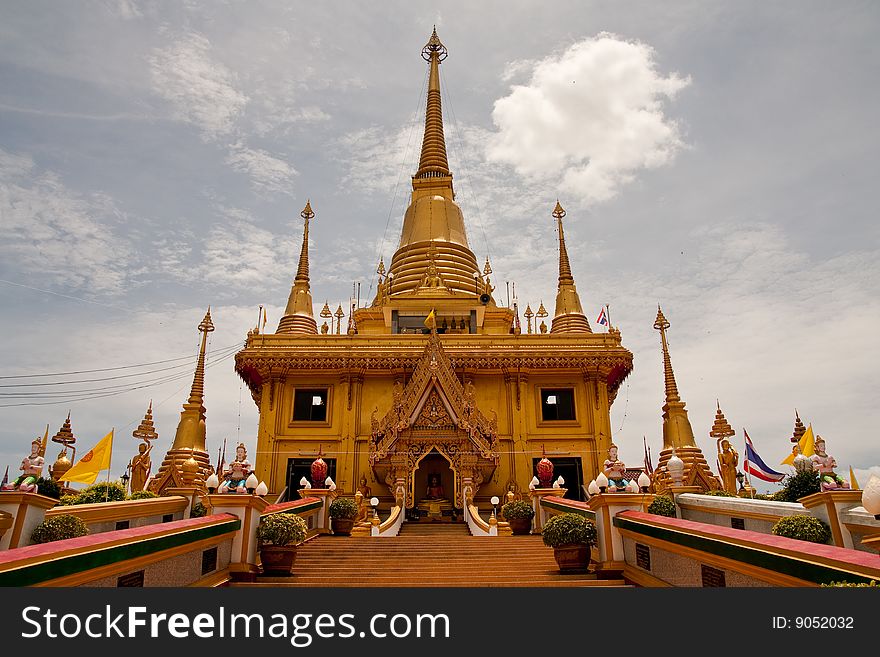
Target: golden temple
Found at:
x=464, y=395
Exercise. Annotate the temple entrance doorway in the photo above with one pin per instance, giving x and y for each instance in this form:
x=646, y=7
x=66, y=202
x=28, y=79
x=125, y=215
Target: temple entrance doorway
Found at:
x=434, y=484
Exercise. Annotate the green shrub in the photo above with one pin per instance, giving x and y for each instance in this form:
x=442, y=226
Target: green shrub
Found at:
x=281, y=529
x=58, y=529
x=872, y=584
x=198, y=510
x=662, y=506
x=803, y=528
x=142, y=495
x=568, y=529
x=719, y=493
x=518, y=509
x=797, y=486
x=105, y=491
x=343, y=508
x=49, y=488
x=67, y=500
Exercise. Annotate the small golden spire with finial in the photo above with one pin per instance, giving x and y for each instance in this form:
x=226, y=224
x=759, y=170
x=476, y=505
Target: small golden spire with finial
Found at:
x=528, y=315
x=298, y=316
x=339, y=315
x=381, y=268
x=661, y=324
x=487, y=268
x=799, y=428
x=569, y=316
x=721, y=428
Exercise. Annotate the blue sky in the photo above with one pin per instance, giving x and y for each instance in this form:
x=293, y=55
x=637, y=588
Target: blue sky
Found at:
x=717, y=158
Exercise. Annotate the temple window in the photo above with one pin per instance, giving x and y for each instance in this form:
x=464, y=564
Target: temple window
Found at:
x=310, y=405
x=557, y=404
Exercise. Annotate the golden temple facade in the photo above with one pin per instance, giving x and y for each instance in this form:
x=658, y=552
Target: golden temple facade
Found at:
x=433, y=377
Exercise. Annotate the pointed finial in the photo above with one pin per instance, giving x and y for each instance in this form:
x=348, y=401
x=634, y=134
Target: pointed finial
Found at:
x=307, y=211
x=381, y=268
x=542, y=311
x=721, y=427
x=325, y=311
x=558, y=211
x=661, y=323
x=434, y=45
x=206, y=325
x=487, y=268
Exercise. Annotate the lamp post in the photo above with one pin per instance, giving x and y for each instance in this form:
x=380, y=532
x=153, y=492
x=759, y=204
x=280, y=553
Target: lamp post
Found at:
x=494, y=502
x=124, y=479
x=740, y=478
x=374, y=502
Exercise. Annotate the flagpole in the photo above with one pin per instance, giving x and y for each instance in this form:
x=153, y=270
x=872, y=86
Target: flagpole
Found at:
x=608, y=315
x=259, y=317
x=109, y=463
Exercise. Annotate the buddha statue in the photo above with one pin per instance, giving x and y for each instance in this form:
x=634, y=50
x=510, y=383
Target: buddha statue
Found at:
x=824, y=464
x=364, y=489
x=32, y=468
x=140, y=467
x=435, y=488
x=728, y=459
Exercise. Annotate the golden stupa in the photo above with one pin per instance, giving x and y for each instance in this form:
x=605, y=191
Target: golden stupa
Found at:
x=432, y=379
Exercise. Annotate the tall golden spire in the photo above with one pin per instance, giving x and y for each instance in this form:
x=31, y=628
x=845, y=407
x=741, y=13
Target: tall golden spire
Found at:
x=721, y=427
x=298, y=317
x=569, y=316
x=433, y=222
x=678, y=434
x=189, y=441
x=433, y=162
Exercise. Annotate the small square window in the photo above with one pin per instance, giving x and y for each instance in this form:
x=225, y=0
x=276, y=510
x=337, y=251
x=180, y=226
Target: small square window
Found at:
x=557, y=404
x=310, y=405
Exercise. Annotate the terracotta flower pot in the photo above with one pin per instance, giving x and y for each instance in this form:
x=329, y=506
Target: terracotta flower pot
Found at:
x=342, y=526
x=520, y=526
x=278, y=559
x=572, y=558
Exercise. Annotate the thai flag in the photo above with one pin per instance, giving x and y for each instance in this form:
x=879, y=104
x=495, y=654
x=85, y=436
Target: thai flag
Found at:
x=755, y=465
x=603, y=317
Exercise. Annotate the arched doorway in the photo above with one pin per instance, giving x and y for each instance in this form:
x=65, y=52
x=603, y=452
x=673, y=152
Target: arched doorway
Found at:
x=433, y=487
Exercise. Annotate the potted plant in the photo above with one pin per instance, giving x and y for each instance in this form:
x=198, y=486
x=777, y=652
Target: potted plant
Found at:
x=519, y=514
x=279, y=534
x=343, y=511
x=571, y=536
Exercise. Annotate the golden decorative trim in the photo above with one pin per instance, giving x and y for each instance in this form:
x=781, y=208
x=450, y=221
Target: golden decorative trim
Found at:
x=643, y=578
x=214, y=580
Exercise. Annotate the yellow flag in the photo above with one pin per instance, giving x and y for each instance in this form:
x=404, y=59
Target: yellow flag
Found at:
x=805, y=444
x=853, y=482
x=96, y=459
x=431, y=320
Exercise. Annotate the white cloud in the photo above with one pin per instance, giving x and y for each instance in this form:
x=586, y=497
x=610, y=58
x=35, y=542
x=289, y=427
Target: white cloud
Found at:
x=267, y=172
x=589, y=118
x=239, y=255
x=202, y=90
x=52, y=233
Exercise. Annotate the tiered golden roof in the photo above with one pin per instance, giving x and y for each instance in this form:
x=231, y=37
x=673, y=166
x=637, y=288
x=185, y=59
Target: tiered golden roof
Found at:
x=65, y=434
x=678, y=434
x=721, y=427
x=433, y=222
x=799, y=428
x=65, y=438
x=569, y=316
x=146, y=430
x=189, y=441
x=298, y=317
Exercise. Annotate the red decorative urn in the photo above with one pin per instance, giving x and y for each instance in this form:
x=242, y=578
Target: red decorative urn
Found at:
x=319, y=471
x=545, y=470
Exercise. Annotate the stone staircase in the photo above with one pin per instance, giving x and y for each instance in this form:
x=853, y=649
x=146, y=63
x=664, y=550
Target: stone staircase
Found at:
x=428, y=554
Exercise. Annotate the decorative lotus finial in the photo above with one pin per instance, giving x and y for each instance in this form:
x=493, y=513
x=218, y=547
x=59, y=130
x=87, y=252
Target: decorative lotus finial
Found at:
x=206, y=325
x=434, y=45
x=661, y=323
x=558, y=211
x=307, y=211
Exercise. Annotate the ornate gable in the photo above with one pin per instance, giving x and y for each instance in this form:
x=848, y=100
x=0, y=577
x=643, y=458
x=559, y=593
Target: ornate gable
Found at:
x=433, y=399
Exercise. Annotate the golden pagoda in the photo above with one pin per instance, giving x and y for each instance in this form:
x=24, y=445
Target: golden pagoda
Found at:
x=189, y=441
x=677, y=432
x=66, y=439
x=432, y=382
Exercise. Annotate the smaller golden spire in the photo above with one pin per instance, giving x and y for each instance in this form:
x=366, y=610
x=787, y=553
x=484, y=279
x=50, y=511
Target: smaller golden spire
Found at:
x=298, y=316
x=661, y=324
x=569, y=316
x=381, y=268
x=339, y=315
x=65, y=434
x=528, y=314
x=487, y=268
